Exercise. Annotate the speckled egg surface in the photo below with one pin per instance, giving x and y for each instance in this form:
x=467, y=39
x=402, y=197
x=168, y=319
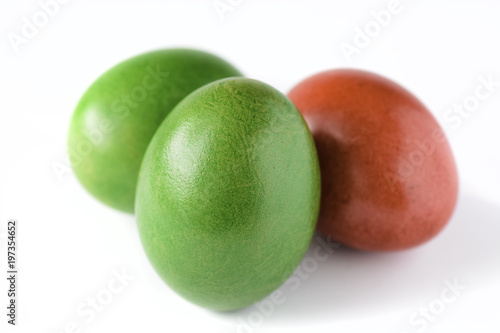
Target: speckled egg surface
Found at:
x=228, y=194
x=389, y=179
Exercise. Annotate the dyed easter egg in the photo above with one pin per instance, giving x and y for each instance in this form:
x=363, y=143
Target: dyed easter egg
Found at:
x=228, y=194
x=119, y=113
x=389, y=180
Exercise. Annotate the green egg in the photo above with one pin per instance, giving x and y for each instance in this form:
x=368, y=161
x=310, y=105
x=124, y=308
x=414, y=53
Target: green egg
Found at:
x=119, y=113
x=228, y=194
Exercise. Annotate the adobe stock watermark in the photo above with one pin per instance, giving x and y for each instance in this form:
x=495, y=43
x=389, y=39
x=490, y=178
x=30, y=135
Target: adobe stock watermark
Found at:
x=31, y=26
x=265, y=308
x=120, y=110
x=453, y=117
x=222, y=7
x=485, y=88
x=90, y=308
x=370, y=30
x=409, y=163
x=278, y=128
x=420, y=319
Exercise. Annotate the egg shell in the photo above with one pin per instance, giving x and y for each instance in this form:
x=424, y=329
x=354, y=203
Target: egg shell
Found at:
x=228, y=194
x=389, y=179
x=119, y=113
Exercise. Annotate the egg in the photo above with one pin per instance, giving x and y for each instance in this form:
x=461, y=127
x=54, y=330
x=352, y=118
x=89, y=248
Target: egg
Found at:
x=389, y=180
x=119, y=113
x=228, y=194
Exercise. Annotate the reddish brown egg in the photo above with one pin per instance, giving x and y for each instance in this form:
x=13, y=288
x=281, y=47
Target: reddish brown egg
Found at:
x=389, y=179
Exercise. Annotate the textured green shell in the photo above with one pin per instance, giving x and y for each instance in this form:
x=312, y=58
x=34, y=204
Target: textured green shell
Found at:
x=228, y=194
x=119, y=113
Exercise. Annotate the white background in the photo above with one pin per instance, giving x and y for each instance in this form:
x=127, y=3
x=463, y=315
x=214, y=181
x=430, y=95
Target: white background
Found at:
x=69, y=243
